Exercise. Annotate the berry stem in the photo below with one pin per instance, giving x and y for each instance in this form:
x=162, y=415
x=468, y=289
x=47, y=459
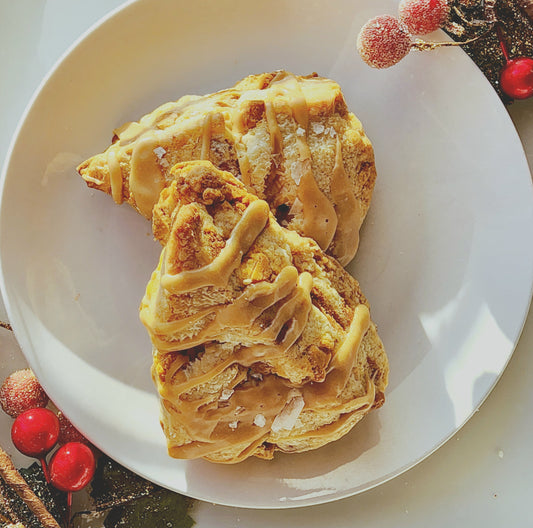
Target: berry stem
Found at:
x=422, y=45
x=69, y=509
x=44, y=467
x=503, y=45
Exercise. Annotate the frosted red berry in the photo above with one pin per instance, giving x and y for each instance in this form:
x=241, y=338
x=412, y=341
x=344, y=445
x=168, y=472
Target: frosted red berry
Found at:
x=72, y=467
x=383, y=41
x=516, y=78
x=21, y=392
x=35, y=432
x=67, y=432
x=423, y=16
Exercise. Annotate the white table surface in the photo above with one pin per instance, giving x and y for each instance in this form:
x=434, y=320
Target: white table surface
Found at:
x=482, y=477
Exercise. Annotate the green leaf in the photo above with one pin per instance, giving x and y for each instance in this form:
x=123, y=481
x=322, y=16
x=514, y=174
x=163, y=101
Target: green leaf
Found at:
x=161, y=509
x=134, y=502
x=114, y=483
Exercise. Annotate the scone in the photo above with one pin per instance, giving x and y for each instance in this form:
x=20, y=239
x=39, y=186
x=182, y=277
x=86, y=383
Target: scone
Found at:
x=262, y=342
x=290, y=139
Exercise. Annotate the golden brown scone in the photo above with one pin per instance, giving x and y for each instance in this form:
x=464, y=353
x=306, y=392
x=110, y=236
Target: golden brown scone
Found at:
x=262, y=342
x=289, y=139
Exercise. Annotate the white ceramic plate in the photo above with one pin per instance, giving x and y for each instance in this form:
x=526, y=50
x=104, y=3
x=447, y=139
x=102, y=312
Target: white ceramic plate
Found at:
x=446, y=258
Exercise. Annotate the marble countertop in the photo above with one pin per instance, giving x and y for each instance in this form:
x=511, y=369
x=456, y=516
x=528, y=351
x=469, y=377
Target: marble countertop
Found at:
x=480, y=477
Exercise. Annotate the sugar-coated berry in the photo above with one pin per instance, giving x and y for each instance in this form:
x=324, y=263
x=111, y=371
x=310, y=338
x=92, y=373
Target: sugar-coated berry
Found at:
x=35, y=432
x=72, y=467
x=67, y=432
x=516, y=78
x=383, y=41
x=21, y=392
x=423, y=16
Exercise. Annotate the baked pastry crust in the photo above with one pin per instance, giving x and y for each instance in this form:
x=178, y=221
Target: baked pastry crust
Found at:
x=290, y=139
x=262, y=342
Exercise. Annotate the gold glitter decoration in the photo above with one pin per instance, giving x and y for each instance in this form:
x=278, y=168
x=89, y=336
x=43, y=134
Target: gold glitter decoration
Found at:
x=469, y=3
x=468, y=19
x=527, y=7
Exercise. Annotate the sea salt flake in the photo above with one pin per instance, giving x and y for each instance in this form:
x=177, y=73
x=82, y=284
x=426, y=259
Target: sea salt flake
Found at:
x=330, y=131
x=297, y=207
x=318, y=128
x=300, y=131
x=287, y=418
x=159, y=152
x=164, y=163
x=297, y=173
x=260, y=420
x=256, y=375
x=226, y=394
x=234, y=424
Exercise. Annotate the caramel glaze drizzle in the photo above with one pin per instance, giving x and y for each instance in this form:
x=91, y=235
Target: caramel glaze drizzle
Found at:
x=115, y=176
x=348, y=210
x=147, y=178
x=336, y=219
x=146, y=181
x=291, y=294
x=320, y=218
x=217, y=273
x=237, y=132
x=216, y=424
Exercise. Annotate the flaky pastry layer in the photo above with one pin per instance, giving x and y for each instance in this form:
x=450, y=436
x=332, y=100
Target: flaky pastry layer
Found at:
x=262, y=342
x=290, y=139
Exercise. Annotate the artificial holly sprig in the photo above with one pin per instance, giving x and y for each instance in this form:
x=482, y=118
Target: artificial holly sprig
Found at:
x=125, y=498
x=516, y=76
x=385, y=40
x=37, y=430
x=34, y=433
x=72, y=467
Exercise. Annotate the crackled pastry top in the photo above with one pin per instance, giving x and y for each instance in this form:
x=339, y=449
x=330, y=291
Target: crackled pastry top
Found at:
x=289, y=139
x=262, y=342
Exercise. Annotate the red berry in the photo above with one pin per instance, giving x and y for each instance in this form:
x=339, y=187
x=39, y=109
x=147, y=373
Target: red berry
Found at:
x=72, y=467
x=21, y=392
x=423, y=16
x=516, y=78
x=383, y=41
x=67, y=432
x=35, y=432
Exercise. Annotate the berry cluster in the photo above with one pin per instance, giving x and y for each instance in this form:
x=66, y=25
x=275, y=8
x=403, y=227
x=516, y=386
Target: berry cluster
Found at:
x=37, y=430
x=421, y=17
x=385, y=40
x=516, y=76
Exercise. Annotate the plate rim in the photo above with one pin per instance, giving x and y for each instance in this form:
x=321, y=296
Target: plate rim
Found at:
x=16, y=324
